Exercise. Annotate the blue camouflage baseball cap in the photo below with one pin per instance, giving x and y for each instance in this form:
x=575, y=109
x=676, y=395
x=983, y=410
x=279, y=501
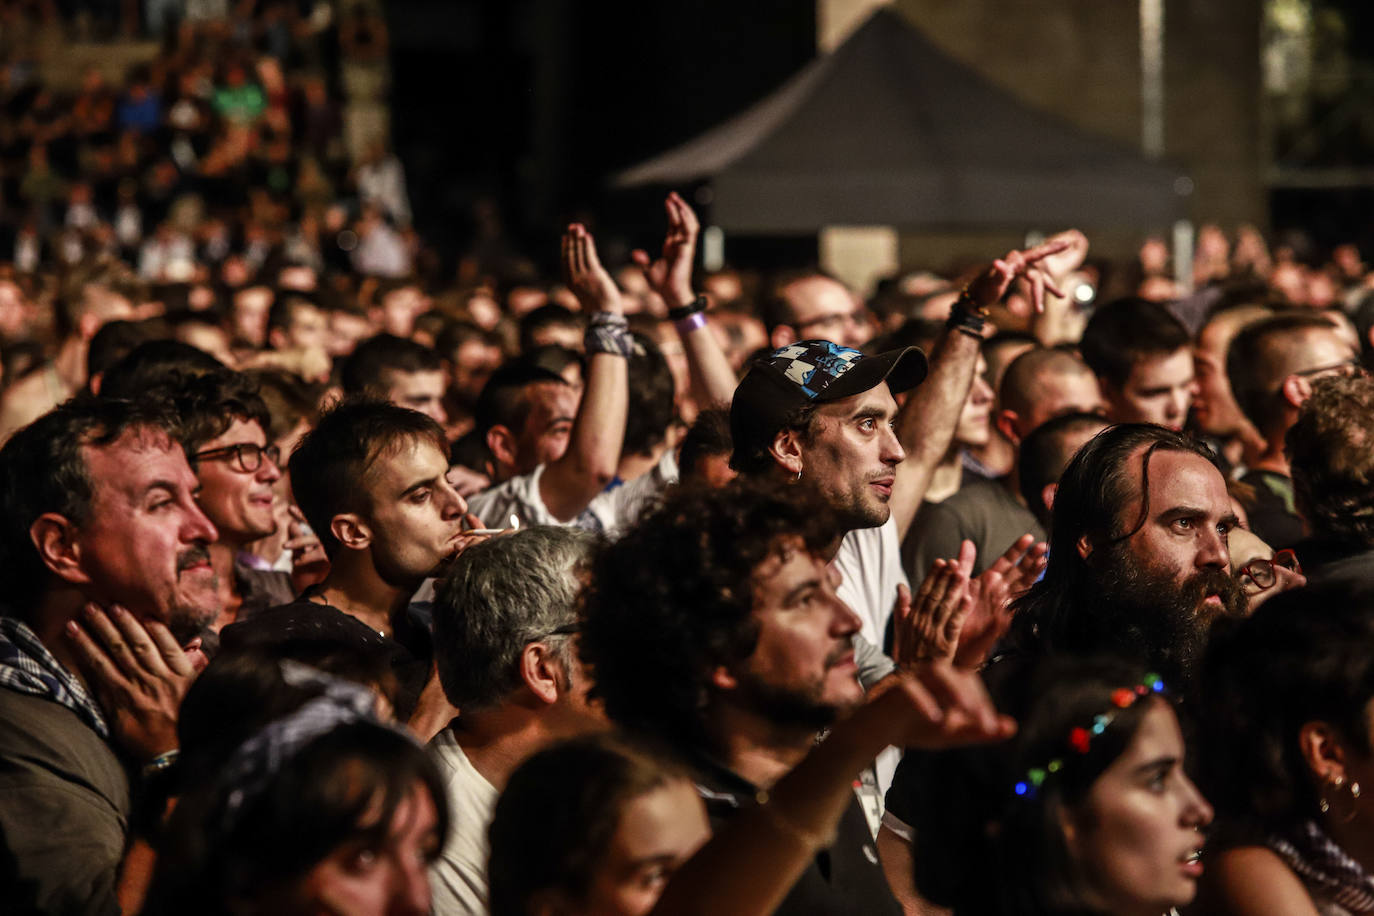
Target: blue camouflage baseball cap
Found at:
x=812, y=371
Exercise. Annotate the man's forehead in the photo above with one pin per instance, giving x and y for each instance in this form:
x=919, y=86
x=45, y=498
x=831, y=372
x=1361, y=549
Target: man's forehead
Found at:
x=877, y=398
x=136, y=459
x=403, y=461
x=1175, y=474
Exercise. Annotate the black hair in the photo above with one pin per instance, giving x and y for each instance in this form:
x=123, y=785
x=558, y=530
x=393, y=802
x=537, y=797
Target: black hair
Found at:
x=708, y=436
x=546, y=316
x=114, y=341
x=328, y=465
x=43, y=469
x=1043, y=459
x=1254, y=362
x=672, y=599
x=504, y=401
x=283, y=310
x=207, y=404
x=1122, y=333
x=1332, y=462
x=155, y=363
x=652, y=404
x=364, y=370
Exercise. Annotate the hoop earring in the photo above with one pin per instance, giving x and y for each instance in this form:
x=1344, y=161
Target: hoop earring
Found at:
x=1353, y=790
x=797, y=479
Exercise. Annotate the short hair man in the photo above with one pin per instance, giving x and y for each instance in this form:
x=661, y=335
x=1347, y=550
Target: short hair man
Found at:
x=1138, y=562
x=98, y=506
x=1042, y=384
x=505, y=621
x=713, y=626
x=399, y=370
x=1329, y=447
x=812, y=304
x=470, y=355
x=1271, y=366
x=296, y=322
x=1046, y=452
x=1215, y=411
x=1143, y=360
x=223, y=428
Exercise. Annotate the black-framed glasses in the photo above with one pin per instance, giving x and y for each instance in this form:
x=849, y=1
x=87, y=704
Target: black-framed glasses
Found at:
x=242, y=456
x=567, y=629
x=1260, y=574
x=1346, y=368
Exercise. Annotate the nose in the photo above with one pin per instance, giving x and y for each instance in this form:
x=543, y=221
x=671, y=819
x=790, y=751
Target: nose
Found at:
x=1212, y=550
x=269, y=471
x=455, y=506
x=892, y=453
x=409, y=891
x=197, y=526
x=845, y=622
x=1198, y=811
x=982, y=391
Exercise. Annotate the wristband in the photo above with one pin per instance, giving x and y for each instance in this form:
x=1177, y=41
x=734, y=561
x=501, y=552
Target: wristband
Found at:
x=690, y=323
x=609, y=332
x=694, y=307
x=966, y=316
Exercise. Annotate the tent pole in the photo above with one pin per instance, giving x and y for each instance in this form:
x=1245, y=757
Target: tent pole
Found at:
x=1152, y=78
x=712, y=248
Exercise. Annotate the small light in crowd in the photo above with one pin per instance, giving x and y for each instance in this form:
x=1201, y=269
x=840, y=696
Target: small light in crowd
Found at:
x=515, y=521
x=1084, y=293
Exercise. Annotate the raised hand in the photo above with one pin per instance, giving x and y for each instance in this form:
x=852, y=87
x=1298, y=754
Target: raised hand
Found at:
x=991, y=284
x=990, y=595
x=139, y=675
x=937, y=705
x=928, y=626
x=585, y=276
x=671, y=275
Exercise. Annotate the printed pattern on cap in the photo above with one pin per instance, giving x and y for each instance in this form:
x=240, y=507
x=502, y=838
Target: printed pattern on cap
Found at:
x=813, y=366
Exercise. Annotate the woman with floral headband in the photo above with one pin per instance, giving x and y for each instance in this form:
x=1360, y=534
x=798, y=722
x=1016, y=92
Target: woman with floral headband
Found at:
x=1288, y=755
x=1086, y=811
x=314, y=806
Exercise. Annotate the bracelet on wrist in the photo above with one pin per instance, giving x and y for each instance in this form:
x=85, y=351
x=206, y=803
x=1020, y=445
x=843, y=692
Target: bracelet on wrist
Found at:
x=690, y=323
x=609, y=332
x=967, y=316
x=682, y=312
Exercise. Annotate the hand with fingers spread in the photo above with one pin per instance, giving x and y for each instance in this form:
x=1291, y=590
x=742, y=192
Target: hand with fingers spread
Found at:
x=990, y=595
x=671, y=275
x=585, y=276
x=138, y=673
x=927, y=627
x=937, y=705
x=991, y=284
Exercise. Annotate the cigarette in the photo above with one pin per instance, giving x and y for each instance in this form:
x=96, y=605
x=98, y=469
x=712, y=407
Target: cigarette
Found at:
x=484, y=531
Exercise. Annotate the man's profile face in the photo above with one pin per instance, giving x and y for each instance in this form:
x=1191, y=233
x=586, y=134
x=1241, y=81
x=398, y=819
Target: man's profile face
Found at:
x=544, y=437
x=143, y=545
x=822, y=308
x=473, y=364
x=852, y=455
x=802, y=670
x=240, y=503
x=1187, y=523
x=422, y=391
x=414, y=514
x=975, y=420
x=1159, y=390
x=308, y=328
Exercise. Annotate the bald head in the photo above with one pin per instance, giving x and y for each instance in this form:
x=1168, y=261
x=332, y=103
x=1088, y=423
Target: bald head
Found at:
x=1042, y=384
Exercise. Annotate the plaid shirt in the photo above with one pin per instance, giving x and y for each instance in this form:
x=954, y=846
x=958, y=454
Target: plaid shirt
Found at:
x=26, y=666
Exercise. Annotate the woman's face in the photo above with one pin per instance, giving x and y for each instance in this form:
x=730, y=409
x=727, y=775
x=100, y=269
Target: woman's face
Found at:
x=1138, y=833
x=657, y=832
x=384, y=880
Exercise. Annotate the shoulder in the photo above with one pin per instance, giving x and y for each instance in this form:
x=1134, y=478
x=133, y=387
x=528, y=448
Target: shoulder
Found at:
x=1246, y=880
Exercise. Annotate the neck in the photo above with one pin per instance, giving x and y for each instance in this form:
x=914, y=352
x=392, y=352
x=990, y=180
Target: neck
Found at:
x=49, y=623
x=947, y=476
x=1273, y=458
x=756, y=749
x=354, y=587
x=1354, y=837
x=998, y=456
x=498, y=740
x=222, y=555
x=70, y=364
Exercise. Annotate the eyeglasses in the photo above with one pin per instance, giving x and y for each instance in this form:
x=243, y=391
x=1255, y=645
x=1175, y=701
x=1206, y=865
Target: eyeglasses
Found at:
x=1260, y=574
x=243, y=456
x=567, y=629
x=1347, y=369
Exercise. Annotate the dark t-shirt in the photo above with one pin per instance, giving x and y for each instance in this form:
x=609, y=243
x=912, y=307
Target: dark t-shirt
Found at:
x=1273, y=518
x=982, y=512
x=846, y=878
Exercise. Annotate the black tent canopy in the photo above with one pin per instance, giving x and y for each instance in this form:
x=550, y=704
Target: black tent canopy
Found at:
x=888, y=130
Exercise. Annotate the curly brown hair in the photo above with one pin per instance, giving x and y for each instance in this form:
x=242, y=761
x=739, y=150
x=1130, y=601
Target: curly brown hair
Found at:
x=1331, y=453
x=672, y=599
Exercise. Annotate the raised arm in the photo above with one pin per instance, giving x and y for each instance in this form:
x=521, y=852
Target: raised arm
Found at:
x=926, y=422
x=569, y=484
x=713, y=381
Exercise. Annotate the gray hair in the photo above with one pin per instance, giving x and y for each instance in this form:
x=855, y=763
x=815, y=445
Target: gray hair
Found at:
x=498, y=597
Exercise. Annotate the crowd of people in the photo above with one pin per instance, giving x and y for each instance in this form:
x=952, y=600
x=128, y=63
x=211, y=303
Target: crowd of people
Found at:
x=1034, y=586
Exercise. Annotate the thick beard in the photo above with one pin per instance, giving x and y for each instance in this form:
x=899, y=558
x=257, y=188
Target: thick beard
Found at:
x=788, y=707
x=1143, y=612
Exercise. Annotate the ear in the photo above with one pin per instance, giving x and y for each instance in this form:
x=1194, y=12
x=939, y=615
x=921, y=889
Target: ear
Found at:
x=87, y=325
x=723, y=679
x=1321, y=747
x=782, y=335
x=351, y=531
x=787, y=451
x=1296, y=390
x=1007, y=421
x=1047, y=496
x=55, y=539
x=276, y=339
x=501, y=443
x=1085, y=547
x=542, y=672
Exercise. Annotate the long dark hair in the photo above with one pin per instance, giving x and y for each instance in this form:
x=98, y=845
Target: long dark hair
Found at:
x=981, y=847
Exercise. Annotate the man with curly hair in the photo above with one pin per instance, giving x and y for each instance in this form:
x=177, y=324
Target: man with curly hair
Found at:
x=1331, y=453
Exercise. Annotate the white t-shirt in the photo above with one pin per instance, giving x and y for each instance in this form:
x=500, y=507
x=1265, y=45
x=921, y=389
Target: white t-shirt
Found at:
x=870, y=562
x=458, y=879
x=611, y=511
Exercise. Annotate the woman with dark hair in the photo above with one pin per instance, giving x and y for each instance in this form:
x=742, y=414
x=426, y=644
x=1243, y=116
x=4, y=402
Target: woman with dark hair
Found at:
x=1286, y=735
x=1086, y=811
x=313, y=806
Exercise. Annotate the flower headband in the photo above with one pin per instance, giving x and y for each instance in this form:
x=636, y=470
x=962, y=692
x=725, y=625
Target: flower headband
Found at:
x=1080, y=738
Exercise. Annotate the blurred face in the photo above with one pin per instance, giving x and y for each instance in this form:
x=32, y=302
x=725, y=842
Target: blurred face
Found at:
x=975, y=425
x=1187, y=525
x=415, y=514
x=568, y=336
x=1215, y=409
x=309, y=328
x=474, y=363
x=239, y=502
x=400, y=308
x=250, y=314
x=544, y=437
x=144, y=545
x=388, y=879
x=1138, y=833
x=657, y=832
x=852, y=454
x=823, y=308
x=1159, y=390
x=422, y=391
x=802, y=670
x=345, y=331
